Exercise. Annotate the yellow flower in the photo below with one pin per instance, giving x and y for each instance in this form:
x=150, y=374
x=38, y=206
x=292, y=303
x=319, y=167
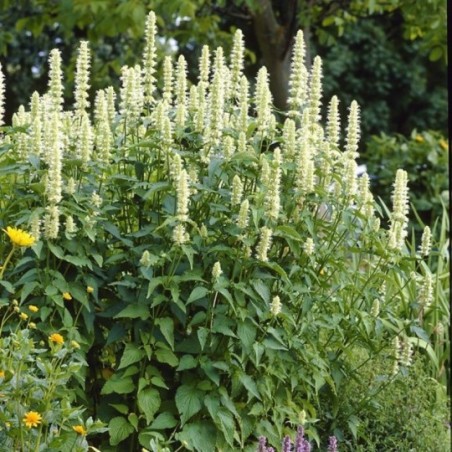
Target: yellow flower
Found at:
x=67, y=296
x=2, y=374
x=419, y=138
x=23, y=316
x=90, y=289
x=443, y=143
x=32, y=419
x=19, y=237
x=56, y=338
x=33, y=308
x=79, y=429
x=32, y=325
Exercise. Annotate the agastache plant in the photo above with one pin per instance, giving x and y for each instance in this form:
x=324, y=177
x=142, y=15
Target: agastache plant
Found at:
x=237, y=266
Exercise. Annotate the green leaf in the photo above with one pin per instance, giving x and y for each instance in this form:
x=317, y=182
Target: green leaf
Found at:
x=226, y=423
x=27, y=289
x=202, y=336
x=166, y=325
x=197, y=293
x=261, y=288
x=119, y=429
x=212, y=403
x=131, y=355
x=118, y=385
x=121, y=408
x=163, y=421
x=56, y=250
x=133, y=419
x=246, y=331
x=188, y=401
x=436, y=54
x=166, y=356
x=78, y=261
x=149, y=402
x=250, y=385
x=134, y=311
x=187, y=362
x=8, y=286
x=287, y=232
x=200, y=436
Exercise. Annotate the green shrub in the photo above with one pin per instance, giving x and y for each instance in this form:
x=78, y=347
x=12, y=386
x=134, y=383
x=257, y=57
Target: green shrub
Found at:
x=217, y=268
x=410, y=414
x=425, y=156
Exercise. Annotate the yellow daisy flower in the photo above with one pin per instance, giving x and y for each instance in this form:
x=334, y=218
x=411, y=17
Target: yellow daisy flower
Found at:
x=19, y=237
x=33, y=308
x=56, y=338
x=2, y=374
x=23, y=316
x=90, y=289
x=32, y=419
x=67, y=296
x=79, y=429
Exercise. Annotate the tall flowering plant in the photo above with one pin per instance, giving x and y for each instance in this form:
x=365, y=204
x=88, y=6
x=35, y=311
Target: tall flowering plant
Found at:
x=235, y=263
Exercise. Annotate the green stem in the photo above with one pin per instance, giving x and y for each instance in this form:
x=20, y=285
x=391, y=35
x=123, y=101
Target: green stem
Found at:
x=8, y=258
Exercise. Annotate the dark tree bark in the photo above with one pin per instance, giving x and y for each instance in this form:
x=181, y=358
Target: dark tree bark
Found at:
x=275, y=27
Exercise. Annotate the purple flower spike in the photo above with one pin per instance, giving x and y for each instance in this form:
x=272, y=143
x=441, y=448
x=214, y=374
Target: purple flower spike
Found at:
x=299, y=440
x=262, y=443
x=287, y=443
x=332, y=444
x=306, y=446
x=270, y=449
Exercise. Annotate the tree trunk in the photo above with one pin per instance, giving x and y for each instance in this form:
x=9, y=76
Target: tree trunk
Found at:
x=275, y=37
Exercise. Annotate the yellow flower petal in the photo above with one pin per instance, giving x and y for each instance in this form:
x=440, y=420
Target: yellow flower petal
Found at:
x=79, y=429
x=32, y=419
x=56, y=338
x=19, y=237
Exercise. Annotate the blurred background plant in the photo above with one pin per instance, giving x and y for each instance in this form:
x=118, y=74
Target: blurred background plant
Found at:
x=425, y=156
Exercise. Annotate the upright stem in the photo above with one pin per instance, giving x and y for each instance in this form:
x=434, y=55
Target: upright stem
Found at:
x=8, y=258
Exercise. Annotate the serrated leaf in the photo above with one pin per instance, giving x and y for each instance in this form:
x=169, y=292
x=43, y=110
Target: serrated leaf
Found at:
x=225, y=420
x=187, y=362
x=200, y=436
x=250, y=385
x=149, y=402
x=163, y=421
x=202, y=336
x=118, y=385
x=287, y=232
x=166, y=325
x=197, y=293
x=246, y=332
x=133, y=311
x=188, y=401
x=119, y=429
x=131, y=355
x=166, y=356
x=262, y=290
x=212, y=404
